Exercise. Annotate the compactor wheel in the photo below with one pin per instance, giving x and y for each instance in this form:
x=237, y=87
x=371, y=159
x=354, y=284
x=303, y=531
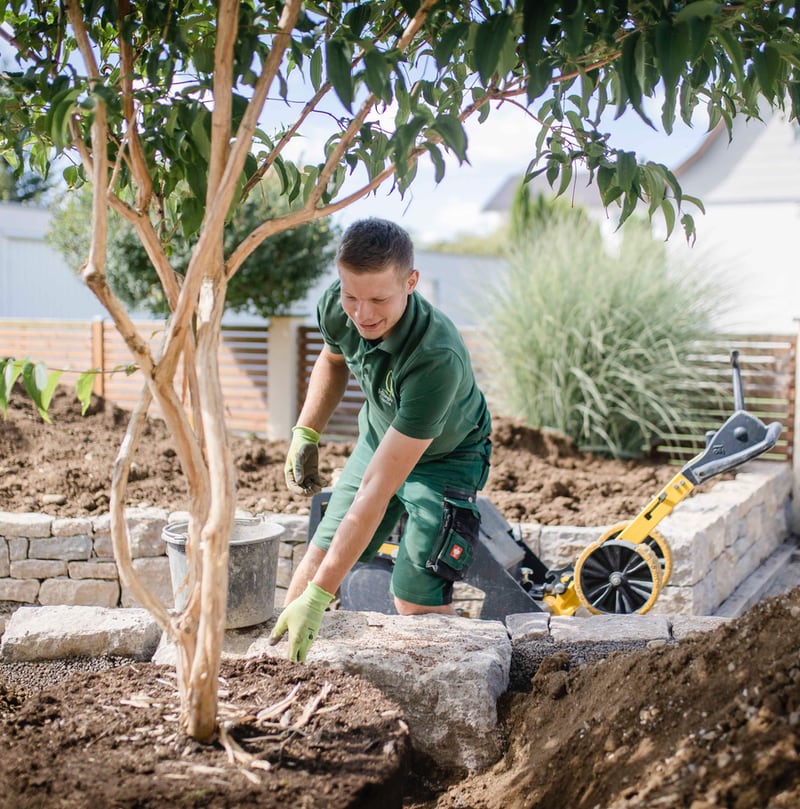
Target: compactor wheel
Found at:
x=655, y=542
x=617, y=577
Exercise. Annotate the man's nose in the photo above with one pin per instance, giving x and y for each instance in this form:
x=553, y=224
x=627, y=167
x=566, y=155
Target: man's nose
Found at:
x=364, y=311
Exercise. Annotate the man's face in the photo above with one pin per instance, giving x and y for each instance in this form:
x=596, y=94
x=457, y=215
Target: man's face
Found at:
x=375, y=301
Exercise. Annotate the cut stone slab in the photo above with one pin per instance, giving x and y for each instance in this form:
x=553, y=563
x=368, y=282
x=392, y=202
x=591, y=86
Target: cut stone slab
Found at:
x=682, y=626
x=58, y=632
x=609, y=628
x=528, y=625
x=445, y=673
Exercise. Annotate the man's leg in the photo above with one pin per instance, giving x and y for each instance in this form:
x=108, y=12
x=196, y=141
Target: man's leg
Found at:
x=340, y=500
x=407, y=608
x=416, y=588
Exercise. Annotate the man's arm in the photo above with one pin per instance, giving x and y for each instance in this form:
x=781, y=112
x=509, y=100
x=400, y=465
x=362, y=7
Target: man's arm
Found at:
x=326, y=387
x=393, y=461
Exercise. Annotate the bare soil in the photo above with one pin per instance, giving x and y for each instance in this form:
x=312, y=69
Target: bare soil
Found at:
x=712, y=721
x=64, y=469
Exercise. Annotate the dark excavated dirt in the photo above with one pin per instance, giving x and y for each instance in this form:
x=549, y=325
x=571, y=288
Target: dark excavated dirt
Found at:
x=712, y=721
x=64, y=469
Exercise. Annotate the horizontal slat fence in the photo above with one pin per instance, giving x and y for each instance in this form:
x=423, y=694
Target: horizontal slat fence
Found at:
x=344, y=422
x=66, y=345
x=767, y=363
x=768, y=366
x=81, y=346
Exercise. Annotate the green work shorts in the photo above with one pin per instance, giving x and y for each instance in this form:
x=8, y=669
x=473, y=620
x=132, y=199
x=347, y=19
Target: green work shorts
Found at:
x=425, y=498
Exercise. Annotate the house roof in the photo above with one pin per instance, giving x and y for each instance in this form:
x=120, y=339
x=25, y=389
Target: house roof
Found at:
x=716, y=171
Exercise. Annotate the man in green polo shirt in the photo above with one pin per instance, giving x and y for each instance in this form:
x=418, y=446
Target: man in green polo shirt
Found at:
x=423, y=445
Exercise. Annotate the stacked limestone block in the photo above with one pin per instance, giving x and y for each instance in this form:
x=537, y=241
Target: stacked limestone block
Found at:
x=51, y=561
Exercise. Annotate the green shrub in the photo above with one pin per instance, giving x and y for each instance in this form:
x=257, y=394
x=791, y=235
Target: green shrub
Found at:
x=592, y=339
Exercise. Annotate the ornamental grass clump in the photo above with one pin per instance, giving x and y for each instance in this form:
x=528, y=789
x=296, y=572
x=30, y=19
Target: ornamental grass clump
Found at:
x=592, y=336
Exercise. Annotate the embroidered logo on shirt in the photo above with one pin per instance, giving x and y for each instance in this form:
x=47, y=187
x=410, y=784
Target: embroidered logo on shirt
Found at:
x=386, y=393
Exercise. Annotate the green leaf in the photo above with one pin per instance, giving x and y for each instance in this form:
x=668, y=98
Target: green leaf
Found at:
x=201, y=122
x=574, y=26
x=192, y=211
x=696, y=202
x=566, y=178
x=453, y=134
x=609, y=190
x=60, y=115
x=203, y=57
x=316, y=69
x=734, y=51
x=626, y=170
x=699, y=9
x=539, y=75
x=339, y=58
x=671, y=50
x=489, y=40
x=40, y=386
x=699, y=31
x=357, y=18
x=376, y=72
x=50, y=388
x=669, y=216
x=632, y=71
x=11, y=372
x=437, y=160
x=628, y=207
x=83, y=389
x=3, y=392
x=767, y=64
x=688, y=228
x=446, y=42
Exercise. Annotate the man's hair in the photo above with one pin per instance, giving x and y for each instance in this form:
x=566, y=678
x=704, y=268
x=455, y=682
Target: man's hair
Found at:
x=371, y=245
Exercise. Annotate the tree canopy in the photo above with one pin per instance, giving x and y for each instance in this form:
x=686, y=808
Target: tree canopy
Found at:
x=397, y=81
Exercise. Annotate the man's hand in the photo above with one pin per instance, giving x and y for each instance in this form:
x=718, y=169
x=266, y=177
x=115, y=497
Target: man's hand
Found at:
x=302, y=463
x=302, y=619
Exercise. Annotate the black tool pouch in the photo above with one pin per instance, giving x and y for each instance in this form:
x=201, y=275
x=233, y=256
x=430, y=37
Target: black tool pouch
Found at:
x=453, y=550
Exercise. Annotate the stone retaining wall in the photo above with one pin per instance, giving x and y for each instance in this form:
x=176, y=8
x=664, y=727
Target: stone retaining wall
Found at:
x=718, y=538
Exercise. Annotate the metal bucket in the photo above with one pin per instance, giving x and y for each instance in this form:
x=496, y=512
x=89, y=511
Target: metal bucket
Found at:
x=252, y=568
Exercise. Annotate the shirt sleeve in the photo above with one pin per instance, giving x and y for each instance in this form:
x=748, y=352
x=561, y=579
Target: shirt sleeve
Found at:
x=427, y=394
x=327, y=319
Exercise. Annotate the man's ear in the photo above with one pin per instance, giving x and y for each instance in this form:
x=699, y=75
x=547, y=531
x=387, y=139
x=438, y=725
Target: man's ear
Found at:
x=413, y=279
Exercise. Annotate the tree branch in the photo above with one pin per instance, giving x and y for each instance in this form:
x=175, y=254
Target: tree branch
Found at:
x=141, y=175
x=216, y=212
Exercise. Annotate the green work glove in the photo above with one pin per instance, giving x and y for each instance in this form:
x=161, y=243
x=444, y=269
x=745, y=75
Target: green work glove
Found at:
x=302, y=463
x=302, y=619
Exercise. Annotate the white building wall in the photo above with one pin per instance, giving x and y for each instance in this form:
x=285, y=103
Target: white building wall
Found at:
x=750, y=188
x=35, y=282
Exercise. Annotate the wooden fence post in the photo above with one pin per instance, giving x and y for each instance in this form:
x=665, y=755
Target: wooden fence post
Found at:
x=282, y=378
x=98, y=356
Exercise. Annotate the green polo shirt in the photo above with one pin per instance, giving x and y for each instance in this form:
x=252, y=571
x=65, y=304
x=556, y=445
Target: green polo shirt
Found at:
x=418, y=380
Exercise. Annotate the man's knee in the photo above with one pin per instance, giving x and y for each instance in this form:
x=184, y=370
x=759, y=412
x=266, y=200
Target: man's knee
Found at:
x=408, y=608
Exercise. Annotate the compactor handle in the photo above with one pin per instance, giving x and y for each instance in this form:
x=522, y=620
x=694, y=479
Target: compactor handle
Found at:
x=742, y=437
